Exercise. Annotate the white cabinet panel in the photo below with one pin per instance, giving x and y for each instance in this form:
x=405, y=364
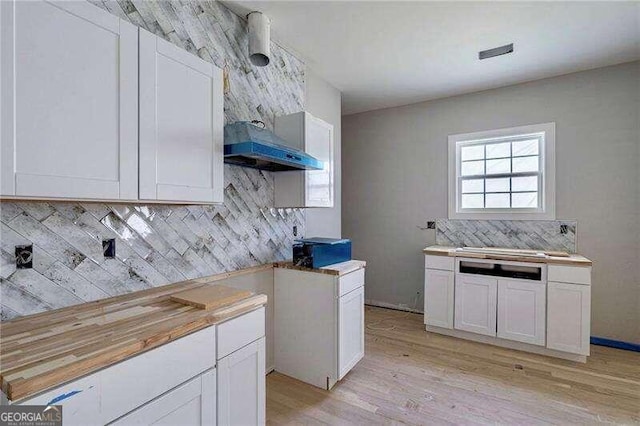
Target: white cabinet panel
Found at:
x=475, y=304
x=240, y=331
x=190, y=404
x=311, y=188
x=319, y=144
x=438, y=298
x=570, y=274
x=137, y=380
x=349, y=282
x=522, y=311
x=351, y=330
x=181, y=124
x=80, y=400
x=69, y=93
x=568, y=317
x=444, y=263
x=241, y=386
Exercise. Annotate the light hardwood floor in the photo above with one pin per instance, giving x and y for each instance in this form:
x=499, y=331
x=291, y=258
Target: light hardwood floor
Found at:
x=411, y=376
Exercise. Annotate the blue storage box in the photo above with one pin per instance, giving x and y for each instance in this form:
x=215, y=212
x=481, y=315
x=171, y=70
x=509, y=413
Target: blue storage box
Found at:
x=319, y=252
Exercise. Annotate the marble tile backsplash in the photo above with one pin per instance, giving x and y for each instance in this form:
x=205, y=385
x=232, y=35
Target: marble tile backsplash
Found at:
x=520, y=234
x=159, y=244
x=155, y=244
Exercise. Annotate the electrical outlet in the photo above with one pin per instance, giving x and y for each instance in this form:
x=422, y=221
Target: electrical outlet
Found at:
x=24, y=256
x=564, y=229
x=431, y=225
x=109, y=248
x=295, y=231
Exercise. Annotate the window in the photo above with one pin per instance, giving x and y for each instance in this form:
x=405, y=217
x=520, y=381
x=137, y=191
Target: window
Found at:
x=503, y=174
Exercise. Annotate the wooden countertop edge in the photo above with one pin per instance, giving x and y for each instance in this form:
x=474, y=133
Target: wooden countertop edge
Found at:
x=450, y=252
x=289, y=265
x=19, y=389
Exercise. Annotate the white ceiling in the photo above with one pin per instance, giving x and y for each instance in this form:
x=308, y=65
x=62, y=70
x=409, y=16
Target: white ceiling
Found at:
x=383, y=54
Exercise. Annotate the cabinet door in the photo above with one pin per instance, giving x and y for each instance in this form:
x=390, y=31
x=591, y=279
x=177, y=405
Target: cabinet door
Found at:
x=438, y=298
x=241, y=386
x=310, y=188
x=190, y=404
x=568, y=317
x=319, y=144
x=351, y=330
x=69, y=93
x=475, y=304
x=181, y=124
x=522, y=311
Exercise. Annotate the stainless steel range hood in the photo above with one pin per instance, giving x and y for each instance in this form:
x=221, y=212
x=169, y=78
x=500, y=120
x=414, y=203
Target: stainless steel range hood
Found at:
x=248, y=145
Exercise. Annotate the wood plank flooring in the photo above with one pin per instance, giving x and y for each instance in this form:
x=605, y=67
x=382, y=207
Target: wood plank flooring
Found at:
x=414, y=377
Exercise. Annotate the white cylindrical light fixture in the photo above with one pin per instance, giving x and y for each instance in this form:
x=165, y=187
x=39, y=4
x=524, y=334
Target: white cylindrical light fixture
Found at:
x=259, y=39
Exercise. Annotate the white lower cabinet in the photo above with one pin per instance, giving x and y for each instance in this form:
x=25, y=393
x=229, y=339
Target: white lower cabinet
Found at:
x=190, y=404
x=476, y=300
x=351, y=333
x=524, y=305
x=242, y=386
x=438, y=298
x=522, y=311
x=568, y=317
x=80, y=401
x=177, y=383
x=318, y=324
x=135, y=381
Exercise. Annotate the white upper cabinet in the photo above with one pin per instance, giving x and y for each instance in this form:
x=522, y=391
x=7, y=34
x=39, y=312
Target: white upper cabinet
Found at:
x=181, y=124
x=94, y=108
x=310, y=188
x=69, y=93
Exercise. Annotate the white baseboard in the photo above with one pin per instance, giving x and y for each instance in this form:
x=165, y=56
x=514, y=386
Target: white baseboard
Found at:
x=525, y=347
x=391, y=306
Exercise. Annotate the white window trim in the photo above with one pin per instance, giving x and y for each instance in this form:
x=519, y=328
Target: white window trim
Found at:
x=547, y=155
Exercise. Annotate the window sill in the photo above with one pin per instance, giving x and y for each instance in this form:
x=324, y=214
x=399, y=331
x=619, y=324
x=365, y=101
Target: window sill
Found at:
x=503, y=216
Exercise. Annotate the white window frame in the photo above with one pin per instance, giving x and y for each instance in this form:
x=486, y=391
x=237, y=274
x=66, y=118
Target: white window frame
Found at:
x=546, y=185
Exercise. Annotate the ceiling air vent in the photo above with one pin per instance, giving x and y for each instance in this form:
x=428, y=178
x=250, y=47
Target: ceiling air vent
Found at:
x=496, y=51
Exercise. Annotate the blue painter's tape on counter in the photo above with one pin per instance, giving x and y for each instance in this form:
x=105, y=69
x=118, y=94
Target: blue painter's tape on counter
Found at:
x=601, y=341
x=63, y=397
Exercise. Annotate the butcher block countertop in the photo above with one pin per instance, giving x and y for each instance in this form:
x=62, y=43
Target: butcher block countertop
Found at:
x=337, y=269
x=569, y=260
x=45, y=350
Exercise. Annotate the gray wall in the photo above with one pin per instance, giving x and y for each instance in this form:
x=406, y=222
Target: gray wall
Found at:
x=159, y=244
x=324, y=101
x=395, y=179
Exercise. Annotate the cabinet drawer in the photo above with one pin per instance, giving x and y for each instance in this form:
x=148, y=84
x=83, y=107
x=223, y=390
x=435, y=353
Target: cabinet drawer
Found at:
x=239, y=332
x=444, y=263
x=190, y=404
x=350, y=282
x=80, y=400
x=133, y=382
x=570, y=274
